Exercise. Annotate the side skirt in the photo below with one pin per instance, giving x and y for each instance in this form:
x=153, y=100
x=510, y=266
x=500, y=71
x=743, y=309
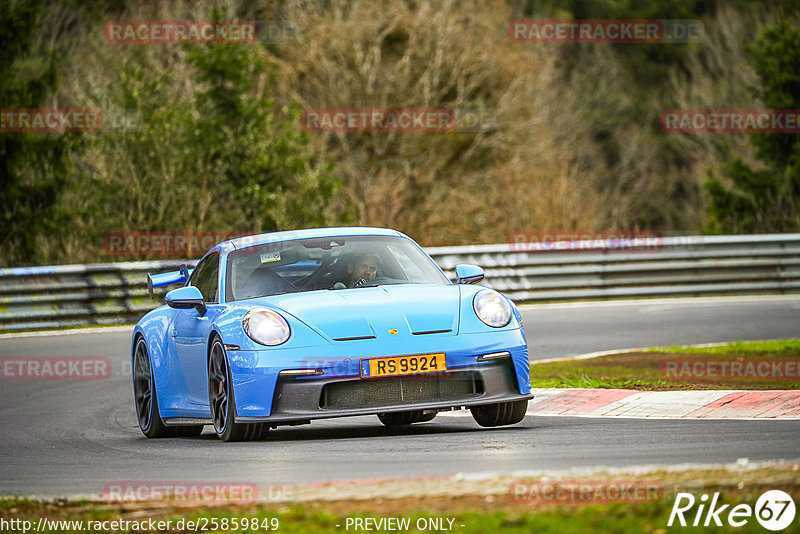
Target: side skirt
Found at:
x=181, y=421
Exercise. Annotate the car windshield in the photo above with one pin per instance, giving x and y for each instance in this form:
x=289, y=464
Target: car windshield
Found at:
x=330, y=263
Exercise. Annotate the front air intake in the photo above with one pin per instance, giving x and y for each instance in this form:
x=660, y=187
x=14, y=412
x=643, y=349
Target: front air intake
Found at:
x=353, y=394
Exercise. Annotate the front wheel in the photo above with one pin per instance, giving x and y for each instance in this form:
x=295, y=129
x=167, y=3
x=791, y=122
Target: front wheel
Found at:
x=500, y=414
x=222, y=402
x=146, y=400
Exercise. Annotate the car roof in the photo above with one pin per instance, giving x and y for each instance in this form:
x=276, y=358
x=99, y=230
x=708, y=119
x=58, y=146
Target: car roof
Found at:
x=310, y=233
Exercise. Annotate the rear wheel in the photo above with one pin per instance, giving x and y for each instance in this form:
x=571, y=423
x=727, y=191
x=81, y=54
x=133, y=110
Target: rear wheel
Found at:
x=501, y=414
x=222, y=402
x=146, y=399
x=406, y=418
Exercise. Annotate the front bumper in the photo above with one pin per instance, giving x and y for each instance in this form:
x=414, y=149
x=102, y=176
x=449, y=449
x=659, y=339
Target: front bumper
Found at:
x=262, y=393
x=300, y=399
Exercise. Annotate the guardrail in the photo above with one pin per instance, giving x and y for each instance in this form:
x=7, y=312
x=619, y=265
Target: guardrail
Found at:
x=66, y=296
x=116, y=293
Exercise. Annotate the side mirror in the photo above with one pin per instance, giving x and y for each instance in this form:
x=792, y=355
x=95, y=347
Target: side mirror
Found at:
x=186, y=297
x=468, y=274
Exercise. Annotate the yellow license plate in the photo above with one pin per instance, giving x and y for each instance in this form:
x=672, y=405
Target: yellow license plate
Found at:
x=403, y=365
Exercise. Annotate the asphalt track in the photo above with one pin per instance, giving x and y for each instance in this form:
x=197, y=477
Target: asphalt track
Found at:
x=64, y=438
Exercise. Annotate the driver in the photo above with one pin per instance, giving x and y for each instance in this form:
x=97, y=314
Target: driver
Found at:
x=363, y=267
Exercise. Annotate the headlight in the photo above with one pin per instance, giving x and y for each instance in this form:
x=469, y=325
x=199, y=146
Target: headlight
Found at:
x=266, y=327
x=492, y=308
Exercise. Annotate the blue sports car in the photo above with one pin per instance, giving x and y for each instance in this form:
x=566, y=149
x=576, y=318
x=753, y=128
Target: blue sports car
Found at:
x=286, y=327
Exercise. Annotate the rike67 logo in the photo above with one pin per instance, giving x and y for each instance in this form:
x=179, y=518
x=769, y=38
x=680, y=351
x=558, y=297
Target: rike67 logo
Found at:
x=774, y=510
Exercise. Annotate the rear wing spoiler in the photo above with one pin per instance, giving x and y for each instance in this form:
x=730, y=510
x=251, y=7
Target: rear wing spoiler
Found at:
x=165, y=279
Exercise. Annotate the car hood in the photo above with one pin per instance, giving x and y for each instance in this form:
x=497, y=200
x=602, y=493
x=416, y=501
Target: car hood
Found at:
x=362, y=313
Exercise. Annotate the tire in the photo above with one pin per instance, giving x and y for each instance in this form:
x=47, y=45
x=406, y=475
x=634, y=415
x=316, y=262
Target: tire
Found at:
x=405, y=418
x=222, y=402
x=501, y=414
x=146, y=400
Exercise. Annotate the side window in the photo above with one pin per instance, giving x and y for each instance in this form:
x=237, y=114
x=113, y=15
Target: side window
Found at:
x=206, y=278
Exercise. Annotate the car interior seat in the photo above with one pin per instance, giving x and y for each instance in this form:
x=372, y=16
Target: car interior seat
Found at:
x=263, y=282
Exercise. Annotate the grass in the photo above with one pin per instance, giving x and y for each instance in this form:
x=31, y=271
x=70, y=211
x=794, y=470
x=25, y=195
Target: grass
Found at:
x=647, y=369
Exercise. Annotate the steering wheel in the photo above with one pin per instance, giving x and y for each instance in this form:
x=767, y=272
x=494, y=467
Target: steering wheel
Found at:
x=374, y=282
